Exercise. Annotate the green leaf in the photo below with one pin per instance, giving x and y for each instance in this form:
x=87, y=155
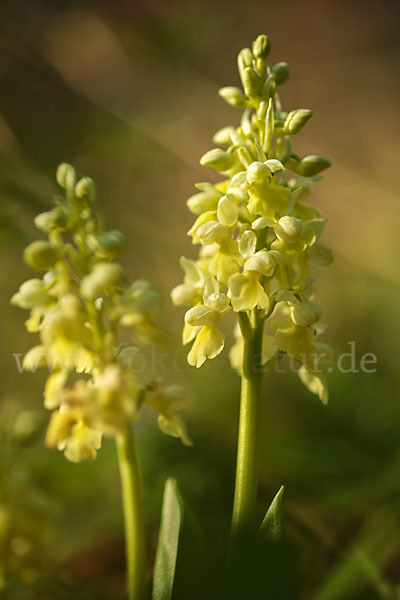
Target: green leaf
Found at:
x=272, y=525
x=168, y=542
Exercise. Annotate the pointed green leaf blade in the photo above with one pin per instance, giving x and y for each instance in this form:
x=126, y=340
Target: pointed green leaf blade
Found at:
x=271, y=527
x=168, y=542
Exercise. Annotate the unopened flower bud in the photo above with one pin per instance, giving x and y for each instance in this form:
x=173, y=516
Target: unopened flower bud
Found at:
x=41, y=255
x=203, y=202
x=147, y=301
x=103, y=278
x=223, y=136
x=305, y=313
x=313, y=164
x=112, y=242
x=217, y=159
x=289, y=229
x=251, y=82
x=261, y=46
x=66, y=176
x=280, y=72
x=233, y=96
x=85, y=189
x=245, y=59
x=296, y=120
x=262, y=111
x=52, y=219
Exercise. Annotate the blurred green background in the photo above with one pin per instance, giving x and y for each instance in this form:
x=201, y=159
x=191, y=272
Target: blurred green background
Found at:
x=127, y=92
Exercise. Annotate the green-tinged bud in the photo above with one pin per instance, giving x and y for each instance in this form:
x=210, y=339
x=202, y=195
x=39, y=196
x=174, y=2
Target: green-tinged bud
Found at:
x=244, y=156
x=289, y=229
x=296, y=120
x=31, y=293
x=85, y=189
x=309, y=165
x=281, y=72
x=223, y=136
x=258, y=173
x=203, y=202
x=103, y=278
x=269, y=87
x=233, y=96
x=312, y=164
x=305, y=313
x=245, y=59
x=112, y=242
x=217, y=159
x=53, y=219
x=251, y=82
x=261, y=46
x=262, y=111
x=66, y=176
x=147, y=301
x=237, y=138
x=245, y=122
x=41, y=255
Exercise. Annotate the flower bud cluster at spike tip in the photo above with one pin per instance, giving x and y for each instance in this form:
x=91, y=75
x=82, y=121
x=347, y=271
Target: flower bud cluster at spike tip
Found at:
x=79, y=307
x=258, y=236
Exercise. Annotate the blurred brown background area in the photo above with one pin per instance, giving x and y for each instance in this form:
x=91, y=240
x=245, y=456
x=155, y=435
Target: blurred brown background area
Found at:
x=127, y=92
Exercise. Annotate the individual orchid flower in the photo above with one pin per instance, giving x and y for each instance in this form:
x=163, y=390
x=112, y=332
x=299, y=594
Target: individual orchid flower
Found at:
x=209, y=340
x=189, y=292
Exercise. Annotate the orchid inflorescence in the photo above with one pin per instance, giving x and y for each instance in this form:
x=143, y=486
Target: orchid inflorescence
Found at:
x=258, y=237
x=79, y=307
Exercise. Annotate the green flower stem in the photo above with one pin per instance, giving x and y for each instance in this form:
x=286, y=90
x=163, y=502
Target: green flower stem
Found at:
x=244, y=506
x=132, y=501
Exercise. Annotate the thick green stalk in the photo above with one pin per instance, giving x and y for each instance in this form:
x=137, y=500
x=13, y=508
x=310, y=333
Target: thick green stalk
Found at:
x=244, y=506
x=132, y=501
